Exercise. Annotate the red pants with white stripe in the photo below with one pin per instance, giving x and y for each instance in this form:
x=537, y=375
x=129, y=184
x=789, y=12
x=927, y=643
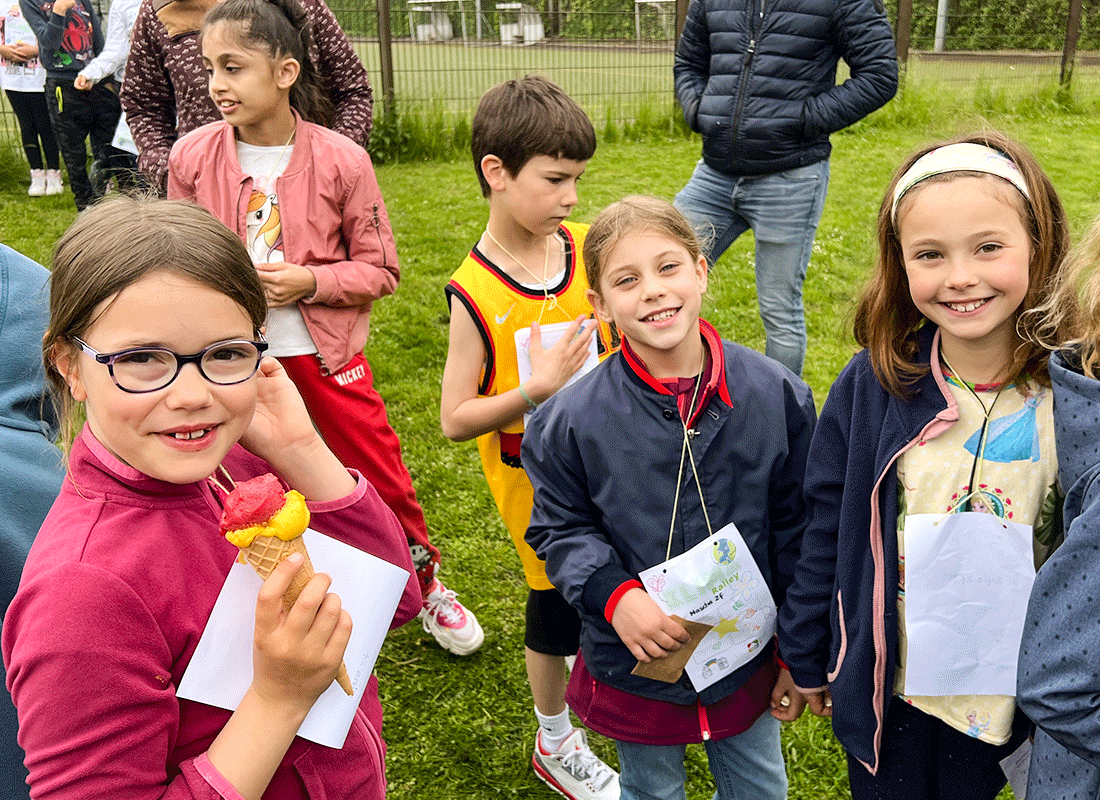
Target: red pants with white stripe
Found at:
x=349, y=413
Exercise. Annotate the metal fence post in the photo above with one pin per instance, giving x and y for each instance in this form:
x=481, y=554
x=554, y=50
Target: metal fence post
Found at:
x=1069, y=50
x=903, y=33
x=385, y=57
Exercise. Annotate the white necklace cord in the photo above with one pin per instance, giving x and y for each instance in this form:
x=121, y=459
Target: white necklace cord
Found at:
x=547, y=296
x=278, y=160
x=686, y=450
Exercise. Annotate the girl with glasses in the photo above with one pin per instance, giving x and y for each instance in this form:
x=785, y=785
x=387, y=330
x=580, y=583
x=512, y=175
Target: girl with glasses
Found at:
x=159, y=340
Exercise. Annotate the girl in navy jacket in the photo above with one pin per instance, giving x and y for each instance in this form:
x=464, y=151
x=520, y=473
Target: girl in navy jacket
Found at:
x=947, y=409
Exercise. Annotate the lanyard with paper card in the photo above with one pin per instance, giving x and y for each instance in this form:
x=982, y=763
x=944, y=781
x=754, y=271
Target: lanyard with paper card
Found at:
x=968, y=577
x=717, y=583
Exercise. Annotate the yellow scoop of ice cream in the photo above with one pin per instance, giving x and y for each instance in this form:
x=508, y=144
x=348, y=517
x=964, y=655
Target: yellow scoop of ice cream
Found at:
x=289, y=522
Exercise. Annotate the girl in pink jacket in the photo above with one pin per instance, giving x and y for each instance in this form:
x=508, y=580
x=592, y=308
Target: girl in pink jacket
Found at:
x=305, y=201
x=159, y=338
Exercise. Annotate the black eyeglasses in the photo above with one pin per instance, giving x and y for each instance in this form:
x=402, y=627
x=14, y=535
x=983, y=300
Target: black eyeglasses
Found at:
x=147, y=369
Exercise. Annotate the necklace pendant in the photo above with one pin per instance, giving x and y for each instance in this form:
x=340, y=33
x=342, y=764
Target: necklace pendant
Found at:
x=553, y=300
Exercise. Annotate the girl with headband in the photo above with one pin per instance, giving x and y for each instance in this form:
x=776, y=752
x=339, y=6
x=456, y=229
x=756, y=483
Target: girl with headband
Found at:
x=931, y=481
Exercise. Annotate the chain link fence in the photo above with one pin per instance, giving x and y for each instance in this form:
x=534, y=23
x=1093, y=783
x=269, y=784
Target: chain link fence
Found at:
x=435, y=58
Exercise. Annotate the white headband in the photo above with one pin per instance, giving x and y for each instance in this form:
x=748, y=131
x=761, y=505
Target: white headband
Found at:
x=962, y=157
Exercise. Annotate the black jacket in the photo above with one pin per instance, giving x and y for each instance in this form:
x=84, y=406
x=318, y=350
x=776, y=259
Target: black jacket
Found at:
x=757, y=78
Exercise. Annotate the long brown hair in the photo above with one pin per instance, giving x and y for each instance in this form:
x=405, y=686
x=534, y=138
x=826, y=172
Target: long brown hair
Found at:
x=119, y=241
x=887, y=321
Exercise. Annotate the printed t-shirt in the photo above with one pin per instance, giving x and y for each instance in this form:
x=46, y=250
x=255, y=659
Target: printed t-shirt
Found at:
x=286, y=330
x=1018, y=482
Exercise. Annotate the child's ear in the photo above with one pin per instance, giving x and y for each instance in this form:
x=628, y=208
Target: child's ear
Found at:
x=64, y=358
x=493, y=170
x=287, y=71
x=599, y=306
x=701, y=272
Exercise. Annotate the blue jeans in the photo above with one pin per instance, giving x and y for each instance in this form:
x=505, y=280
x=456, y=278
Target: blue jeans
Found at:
x=748, y=766
x=783, y=211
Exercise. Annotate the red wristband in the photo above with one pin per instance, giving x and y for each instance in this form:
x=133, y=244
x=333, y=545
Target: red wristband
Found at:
x=617, y=595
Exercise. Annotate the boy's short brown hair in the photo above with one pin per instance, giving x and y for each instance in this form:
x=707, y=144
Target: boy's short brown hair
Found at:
x=520, y=119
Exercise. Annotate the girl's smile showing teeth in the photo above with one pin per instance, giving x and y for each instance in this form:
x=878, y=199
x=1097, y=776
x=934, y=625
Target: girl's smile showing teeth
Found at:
x=660, y=316
x=971, y=305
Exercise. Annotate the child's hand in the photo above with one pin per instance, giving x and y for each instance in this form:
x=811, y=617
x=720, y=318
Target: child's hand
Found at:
x=282, y=434
x=285, y=283
x=820, y=703
x=551, y=369
x=785, y=690
x=61, y=7
x=297, y=653
x=281, y=420
x=645, y=629
x=82, y=84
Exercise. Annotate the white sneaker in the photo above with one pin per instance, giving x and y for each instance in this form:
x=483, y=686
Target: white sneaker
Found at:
x=38, y=183
x=53, y=181
x=574, y=771
x=453, y=626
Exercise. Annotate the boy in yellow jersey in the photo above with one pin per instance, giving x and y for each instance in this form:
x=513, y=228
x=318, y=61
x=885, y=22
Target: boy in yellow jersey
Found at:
x=521, y=328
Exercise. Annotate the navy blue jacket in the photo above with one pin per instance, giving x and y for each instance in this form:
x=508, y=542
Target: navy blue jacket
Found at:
x=839, y=624
x=603, y=457
x=757, y=78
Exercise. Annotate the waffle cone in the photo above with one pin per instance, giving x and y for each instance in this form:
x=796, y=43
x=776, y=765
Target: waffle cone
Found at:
x=267, y=552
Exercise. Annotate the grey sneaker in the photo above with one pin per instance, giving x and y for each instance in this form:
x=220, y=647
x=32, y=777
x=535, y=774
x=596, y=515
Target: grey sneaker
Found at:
x=574, y=771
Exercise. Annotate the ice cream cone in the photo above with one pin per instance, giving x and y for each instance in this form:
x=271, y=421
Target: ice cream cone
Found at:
x=267, y=552
x=255, y=510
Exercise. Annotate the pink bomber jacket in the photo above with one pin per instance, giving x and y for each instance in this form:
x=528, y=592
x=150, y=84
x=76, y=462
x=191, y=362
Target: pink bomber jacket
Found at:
x=334, y=222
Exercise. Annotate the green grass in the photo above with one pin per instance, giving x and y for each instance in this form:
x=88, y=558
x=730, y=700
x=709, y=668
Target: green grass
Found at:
x=462, y=727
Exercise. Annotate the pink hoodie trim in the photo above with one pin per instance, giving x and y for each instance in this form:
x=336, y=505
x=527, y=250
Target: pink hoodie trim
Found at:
x=216, y=780
x=942, y=421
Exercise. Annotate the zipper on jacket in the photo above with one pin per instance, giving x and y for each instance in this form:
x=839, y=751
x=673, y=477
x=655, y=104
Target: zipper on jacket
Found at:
x=704, y=723
x=377, y=223
x=746, y=67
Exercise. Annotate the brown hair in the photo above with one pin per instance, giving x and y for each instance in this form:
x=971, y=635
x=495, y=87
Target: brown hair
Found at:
x=1070, y=318
x=121, y=240
x=280, y=28
x=887, y=321
x=632, y=214
x=520, y=119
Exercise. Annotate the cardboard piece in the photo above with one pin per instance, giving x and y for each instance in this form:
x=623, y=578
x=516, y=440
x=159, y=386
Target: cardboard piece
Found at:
x=669, y=668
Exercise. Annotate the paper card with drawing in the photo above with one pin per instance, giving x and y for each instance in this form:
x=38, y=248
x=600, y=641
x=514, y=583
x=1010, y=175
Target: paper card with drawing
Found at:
x=551, y=335
x=220, y=670
x=718, y=583
x=968, y=577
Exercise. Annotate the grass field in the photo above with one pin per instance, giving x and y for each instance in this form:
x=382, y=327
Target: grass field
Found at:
x=462, y=728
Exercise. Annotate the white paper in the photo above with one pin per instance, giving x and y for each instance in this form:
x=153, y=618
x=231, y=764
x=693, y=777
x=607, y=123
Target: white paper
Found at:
x=1016, y=768
x=718, y=583
x=551, y=335
x=220, y=671
x=968, y=577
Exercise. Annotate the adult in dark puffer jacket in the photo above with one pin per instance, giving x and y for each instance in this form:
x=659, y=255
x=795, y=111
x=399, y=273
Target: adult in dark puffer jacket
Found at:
x=757, y=78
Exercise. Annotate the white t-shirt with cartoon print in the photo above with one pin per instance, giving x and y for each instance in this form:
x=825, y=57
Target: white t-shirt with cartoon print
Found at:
x=286, y=329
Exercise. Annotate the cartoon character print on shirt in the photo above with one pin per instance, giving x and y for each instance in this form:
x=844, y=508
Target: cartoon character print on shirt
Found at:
x=77, y=41
x=265, y=231
x=1014, y=437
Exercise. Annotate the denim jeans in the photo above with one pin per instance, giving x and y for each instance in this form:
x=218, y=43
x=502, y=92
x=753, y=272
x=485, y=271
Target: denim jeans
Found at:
x=748, y=766
x=783, y=211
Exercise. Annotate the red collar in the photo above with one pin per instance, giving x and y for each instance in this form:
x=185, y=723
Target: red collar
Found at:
x=714, y=371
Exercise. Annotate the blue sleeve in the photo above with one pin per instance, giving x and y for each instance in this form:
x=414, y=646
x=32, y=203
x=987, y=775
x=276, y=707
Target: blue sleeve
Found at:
x=563, y=530
x=804, y=619
x=866, y=43
x=46, y=25
x=1058, y=678
x=788, y=509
